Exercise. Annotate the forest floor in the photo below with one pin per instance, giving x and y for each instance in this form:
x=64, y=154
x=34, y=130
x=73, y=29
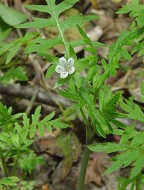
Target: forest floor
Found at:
x=61, y=171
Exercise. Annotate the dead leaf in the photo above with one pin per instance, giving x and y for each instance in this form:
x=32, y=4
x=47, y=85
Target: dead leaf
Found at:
x=94, y=3
x=45, y=187
x=96, y=168
x=48, y=145
x=71, y=149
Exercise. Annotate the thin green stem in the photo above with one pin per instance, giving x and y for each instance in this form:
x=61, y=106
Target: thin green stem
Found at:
x=138, y=181
x=7, y=152
x=87, y=125
x=89, y=136
x=16, y=164
x=62, y=36
x=84, y=117
x=84, y=165
x=31, y=102
x=3, y=164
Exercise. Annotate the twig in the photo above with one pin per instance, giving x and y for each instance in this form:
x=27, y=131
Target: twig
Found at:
x=31, y=102
x=26, y=92
x=39, y=73
x=3, y=164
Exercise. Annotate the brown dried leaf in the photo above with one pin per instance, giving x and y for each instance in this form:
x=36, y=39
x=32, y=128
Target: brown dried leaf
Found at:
x=71, y=149
x=45, y=187
x=96, y=168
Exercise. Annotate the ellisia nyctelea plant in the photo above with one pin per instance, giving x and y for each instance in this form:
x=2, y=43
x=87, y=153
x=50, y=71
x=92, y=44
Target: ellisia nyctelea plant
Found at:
x=85, y=84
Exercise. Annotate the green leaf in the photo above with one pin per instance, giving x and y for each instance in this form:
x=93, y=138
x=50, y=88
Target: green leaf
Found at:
x=106, y=147
x=11, y=181
x=38, y=23
x=68, y=94
x=5, y=34
x=48, y=117
x=45, y=123
x=108, y=107
x=117, y=49
x=50, y=71
x=65, y=5
x=128, y=157
x=6, y=117
x=35, y=120
x=13, y=52
x=134, y=112
x=86, y=38
x=96, y=118
x=30, y=161
x=3, y=28
x=37, y=123
x=11, y=16
x=138, y=139
x=128, y=134
x=125, y=54
x=14, y=74
x=136, y=10
x=84, y=43
x=78, y=79
x=41, y=8
x=82, y=64
x=139, y=164
x=15, y=140
x=59, y=124
x=73, y=20
x=124, y=182
x=54, y=10
x=115, y=166
x=118, y=132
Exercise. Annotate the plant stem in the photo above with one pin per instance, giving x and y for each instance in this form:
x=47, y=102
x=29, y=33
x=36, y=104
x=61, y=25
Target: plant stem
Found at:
x=86, y=153
x=84, y=117
x=3, y=164
x=138, y=182
x=62, y=36
x=28, y=110
x=16, y=164
x=60, y=31
x=84, y=165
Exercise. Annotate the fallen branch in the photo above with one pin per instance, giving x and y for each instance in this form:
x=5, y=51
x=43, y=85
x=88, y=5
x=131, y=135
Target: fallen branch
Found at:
x=27, y=92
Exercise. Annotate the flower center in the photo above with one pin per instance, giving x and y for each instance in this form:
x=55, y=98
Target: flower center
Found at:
x=67, y=67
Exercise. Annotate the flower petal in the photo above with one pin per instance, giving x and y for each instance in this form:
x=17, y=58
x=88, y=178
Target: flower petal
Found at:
x=70, y=62
x=63, y=75
x=59, y=69
x=71, y=70
x=62, y=61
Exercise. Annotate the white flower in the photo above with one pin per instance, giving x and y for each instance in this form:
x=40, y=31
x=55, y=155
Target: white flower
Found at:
x=65, y=67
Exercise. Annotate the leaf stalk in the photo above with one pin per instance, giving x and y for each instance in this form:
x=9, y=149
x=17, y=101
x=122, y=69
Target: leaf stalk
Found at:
x=60, y=31
x=3, y=164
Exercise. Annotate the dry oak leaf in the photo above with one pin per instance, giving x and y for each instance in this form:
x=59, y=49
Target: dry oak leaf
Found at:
x=96, y=168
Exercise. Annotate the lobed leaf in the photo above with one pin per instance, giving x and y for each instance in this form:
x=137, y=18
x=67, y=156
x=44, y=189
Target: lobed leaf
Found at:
x=65, y=5
x=139, y=164
x=11, y=16
x=38, y=23
x=134, y=112
x=11, y=181
x=41, y=8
